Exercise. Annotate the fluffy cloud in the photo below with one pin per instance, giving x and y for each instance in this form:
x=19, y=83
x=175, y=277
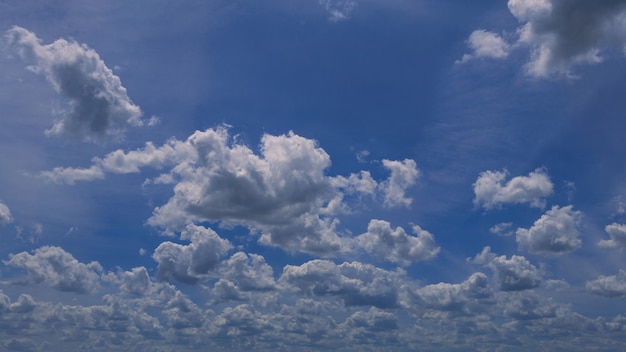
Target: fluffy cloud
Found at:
x=455, y=297
x=555, y=233
x=515, y=274
x=396, y=245
x=559, y=34
x=355, y=283
x=491, y=191
x=485, y=44
x=99, y=107
x=403, y=175
x=58, y=269
x=243, y=277
x=190, y=263
x=617, y=232
x=283, y=193
x=613, y=286
x=5, y=215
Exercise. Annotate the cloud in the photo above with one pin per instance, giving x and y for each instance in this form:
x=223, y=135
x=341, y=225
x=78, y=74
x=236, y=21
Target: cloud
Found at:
x=485, y=44
x=457, y=298
x=339, y=10
x=555, y=233
x=617, y=232
x=502, y=229
x=58, y=269
x=529, y=306
x=403, y=175
x=490, y=192
x=396, y=245
x=515, y=274
x=558, y=34
x=356, y=284
x=245, y=277
x=613, y=286
x=98, y=105
x=5, y=215
x=190, y=263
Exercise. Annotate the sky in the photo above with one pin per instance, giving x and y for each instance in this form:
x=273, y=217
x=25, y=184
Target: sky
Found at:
x=306, y=175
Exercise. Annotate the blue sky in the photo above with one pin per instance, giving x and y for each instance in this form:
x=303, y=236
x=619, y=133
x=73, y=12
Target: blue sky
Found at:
x=312, y=174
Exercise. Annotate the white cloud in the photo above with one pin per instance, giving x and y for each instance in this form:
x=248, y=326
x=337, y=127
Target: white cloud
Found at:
x=98, y=107
x=190, y=263
x=485, y=44
x=613, y=286
x=58, y=269
x=491, y=191
x=617, y=232
x=339, y=10
x=396, y=245
x=355, y=283
x=515, y=274
x=529, y=306
x=5, y=215
x=457, y=298
x=502, y=229
x=560, y=34
x=555, y=233
x=403, y=175
x=245, y=277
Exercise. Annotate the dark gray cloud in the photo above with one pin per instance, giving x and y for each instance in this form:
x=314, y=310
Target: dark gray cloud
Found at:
x=98, y=105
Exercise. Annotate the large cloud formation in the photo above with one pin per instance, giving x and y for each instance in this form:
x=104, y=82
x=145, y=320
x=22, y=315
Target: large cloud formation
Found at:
x=99, y=107
x=559, y=34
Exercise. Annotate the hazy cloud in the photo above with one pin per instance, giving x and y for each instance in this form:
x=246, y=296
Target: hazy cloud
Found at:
x=98, y=106
x=555, y=233
x=485, y=44
x=491, y=191
x=58, y=269
x=5, y=215
x=396, y=245
x=338, y=10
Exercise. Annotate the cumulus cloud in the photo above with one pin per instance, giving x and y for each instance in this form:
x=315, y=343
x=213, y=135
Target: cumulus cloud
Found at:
x=555, y=233
x=5, y=215
x=613, y=286
x=485, y=44
x=491, y=191
x=58, y=269
x=338, y=10
x=98, y=105
x=558, y=34
x=455, y=297
x=396, y=245
x=617, y=232
x=244, y=277
x=514, y=274
x=404, y=174
x=193, y=262
x=356, y=284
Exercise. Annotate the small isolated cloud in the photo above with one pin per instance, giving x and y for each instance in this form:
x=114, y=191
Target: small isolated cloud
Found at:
x=98, y=105
x=338, y=10
x=558, y=34
x=613, y=286
x=514, y=274
x=5, y=215
x=404, y=174
x=485, y=44
x=58, y=269
x=491, y=191
x=555, y=233
x=396, y=245
x=502, y=229
x=356, y=284
x=617, y=232
x=190, y=263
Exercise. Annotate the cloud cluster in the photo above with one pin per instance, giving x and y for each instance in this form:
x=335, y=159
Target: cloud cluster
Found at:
x=558, y=34
x=58, y=269
x=459, y=298
x=98, y=105
x=617, y=232
x=282, y=192
x=613, y=286
x=555, y=233
x=396, y=245
x=515, y=274
x=491, y=191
